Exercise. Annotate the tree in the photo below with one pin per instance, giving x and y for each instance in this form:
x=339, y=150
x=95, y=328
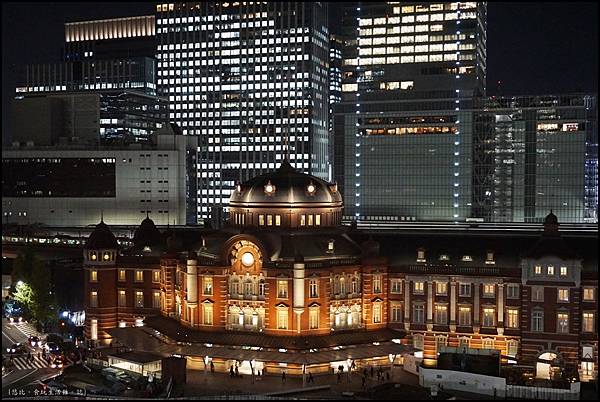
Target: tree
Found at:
x=24, y=295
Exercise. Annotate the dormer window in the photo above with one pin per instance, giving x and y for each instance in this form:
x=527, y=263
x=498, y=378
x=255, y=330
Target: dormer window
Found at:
x=421, y=255
x=563, y=271
x=106, y=256
x=467, y=258
x=330, y=246
x=93, y=256
x=444, y=257
x=147, y=248
x=489, y=258
x=537, y=270
x=550, y=270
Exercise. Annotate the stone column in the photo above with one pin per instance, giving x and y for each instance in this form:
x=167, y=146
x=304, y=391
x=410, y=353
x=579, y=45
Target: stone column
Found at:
x=430, y=305
x=298, y=293
x=500, y=304
x=192, y=287
x=406, y=304
x=453, y=305
x=476, y=326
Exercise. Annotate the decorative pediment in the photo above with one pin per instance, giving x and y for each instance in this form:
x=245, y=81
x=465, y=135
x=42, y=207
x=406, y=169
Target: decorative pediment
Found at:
x=314, y=305
x=377, y=300
x=282, y=305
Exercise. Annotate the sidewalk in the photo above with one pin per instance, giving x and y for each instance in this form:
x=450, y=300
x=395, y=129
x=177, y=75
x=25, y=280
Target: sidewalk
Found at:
x=199, y=383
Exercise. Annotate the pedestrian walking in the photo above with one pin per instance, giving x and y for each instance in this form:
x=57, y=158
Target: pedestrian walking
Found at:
x=231, y=371
x=283, y=376
x=212, y=367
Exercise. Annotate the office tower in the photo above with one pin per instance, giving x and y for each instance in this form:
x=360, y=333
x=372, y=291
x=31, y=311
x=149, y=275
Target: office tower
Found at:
x=405, y=123
x=251, y=80
x=112, y=58
x=543, y=157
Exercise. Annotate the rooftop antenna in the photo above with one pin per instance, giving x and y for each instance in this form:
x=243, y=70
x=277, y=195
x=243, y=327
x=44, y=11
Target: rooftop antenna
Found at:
x=102, y=216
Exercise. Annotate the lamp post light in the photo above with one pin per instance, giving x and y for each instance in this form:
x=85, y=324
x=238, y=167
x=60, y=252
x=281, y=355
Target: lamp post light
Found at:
x=349, y=363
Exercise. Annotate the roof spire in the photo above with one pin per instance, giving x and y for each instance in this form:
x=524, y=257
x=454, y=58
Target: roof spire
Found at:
x=147, y=217
x=101, y=216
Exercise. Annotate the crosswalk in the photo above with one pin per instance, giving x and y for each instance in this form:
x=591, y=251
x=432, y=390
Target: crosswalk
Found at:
x=27, y=329
x=21, y=363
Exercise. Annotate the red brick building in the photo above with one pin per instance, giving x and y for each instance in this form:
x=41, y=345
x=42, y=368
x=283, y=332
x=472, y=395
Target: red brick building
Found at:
x=285, y=266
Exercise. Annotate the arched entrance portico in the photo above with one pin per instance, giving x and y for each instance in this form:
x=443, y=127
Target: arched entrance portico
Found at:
x=546, y=364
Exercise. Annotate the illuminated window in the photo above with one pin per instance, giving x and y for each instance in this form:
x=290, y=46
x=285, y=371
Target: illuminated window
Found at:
x=488, y=290
x=376, y=312
x=418, y=287
x=269, y=220
x=441, y=314
x=207, y=285
x=139, y=276
x=94, y=276
x=207, y=313
x=310, y=219
x=122, y=301
x=588, y=321
x=512, y=318
x=318, y=220
x=121, y=274
x=277, y=220
x=408, y=9
x=512, y=347
x=467, y=258
x=550, y=270
x=396, y=312
x=588, y=294
x=94, y=299
x=282, y=318
x=313, y=319
x=421, y=255
x=139, y=298
x=302, y=220
x=489, y=314
x=563, y=271
x=489, y=258
x=282, y=289
x=261, y=220
x=562, y=321
x=464, y=316
x=376, y=283
x=537, y=270
x=441, y=288
x=488, y=343
x=313, y=288
x=563, y=295
x=156, y=299
x=155, y=276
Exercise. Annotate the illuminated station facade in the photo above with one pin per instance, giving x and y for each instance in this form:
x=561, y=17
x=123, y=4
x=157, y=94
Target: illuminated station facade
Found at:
x=284, y=286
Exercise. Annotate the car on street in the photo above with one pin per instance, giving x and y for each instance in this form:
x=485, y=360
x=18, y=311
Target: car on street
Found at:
x=16, y=348
x=58, y=362
x=35, y=341
x=52, y=348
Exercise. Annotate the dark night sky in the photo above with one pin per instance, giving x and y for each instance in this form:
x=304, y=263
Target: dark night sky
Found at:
x=533, y=48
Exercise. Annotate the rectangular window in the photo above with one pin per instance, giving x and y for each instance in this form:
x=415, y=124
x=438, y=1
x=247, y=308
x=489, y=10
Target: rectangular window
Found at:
x=418, y=287
x=121, y=274
x=563, y=295
x=464, y=316
x=550, y=270
x=310, y=219
x=396, y=312
x=488, y=317
x=94, y=276
x=377, y=313
x=564, y=271
x=277, y=220
x=537, y=321
x=562, y=322
x=261, y=220
x=464, y=289
x=512, y=291
x=318, y=220
x=376, y=283
x=537, y=270
x=139, y=298
x=513, y=347
x=139, y=276
x=419, y=314
x=396, y=286
x=313, y=319
x=269, y=220
x=441, y=315
x=156, y=299
x=207, y=285
x=313, y=288
x=155, y=276
x=93, y=299
x=441, y=288
x=207, y=313
x=282, y=289
x=122, y=298
x=588, y=294
x=302, y=220
x=282, y=319
x=488, y=290
x=537, y=293
x=588, y=321
x=512, y=318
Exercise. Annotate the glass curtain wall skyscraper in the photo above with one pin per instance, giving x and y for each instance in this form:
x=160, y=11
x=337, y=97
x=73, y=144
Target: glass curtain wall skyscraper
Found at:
x=410, y=73
x=250, y=79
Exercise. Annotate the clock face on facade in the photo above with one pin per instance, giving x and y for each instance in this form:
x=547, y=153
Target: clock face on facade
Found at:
x=246, y=258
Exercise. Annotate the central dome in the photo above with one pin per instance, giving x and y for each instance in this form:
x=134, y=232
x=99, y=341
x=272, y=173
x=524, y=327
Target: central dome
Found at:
x=272, y=198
